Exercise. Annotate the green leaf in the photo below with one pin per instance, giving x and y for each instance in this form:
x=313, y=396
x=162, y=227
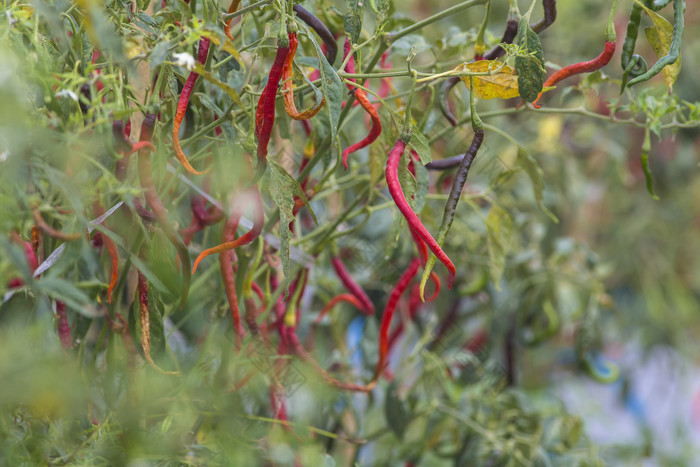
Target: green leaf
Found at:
x=159, y=54
x=499, y=227
x=331, y=85
x=283, y=188
x=396, y=411
x=534, y=171
x=420, y=143
x=530, y=69
x=353, y=19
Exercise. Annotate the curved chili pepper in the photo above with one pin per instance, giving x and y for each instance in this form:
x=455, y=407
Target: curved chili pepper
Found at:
x=389, y=310
x=229, y=279
x=161, y=214
x=446, y=163
x=202, y=52
x=392, y=179
x=583, y=67
x=361, y=97
x=675, y=48
x=252, y=234
x=454, y=196
x=353, y=287
x=265, y=113
x=344, y=297
x=550, y=15
x=227, y=26
x=62, y=326
x=508, y=36
x=50, y=231
x=443, y=92
x=632, y=64
x=321, y=29
x=287, y=74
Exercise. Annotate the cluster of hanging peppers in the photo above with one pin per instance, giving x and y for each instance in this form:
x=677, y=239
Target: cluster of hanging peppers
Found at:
x=286, y=302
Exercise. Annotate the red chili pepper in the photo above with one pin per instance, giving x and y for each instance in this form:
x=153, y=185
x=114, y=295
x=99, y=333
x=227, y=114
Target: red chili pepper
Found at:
x=62, y=326
x=50, y=231
x=32, y=261
x=287, y=74
x=227, y=275
x=391, y=304
x=227, y=27
x=353, y=287
x=265, y=113
x=252, y=234
x=583, y=67
x=392, y=179
x=345, y=297
x=361, y=97
x=182, y=107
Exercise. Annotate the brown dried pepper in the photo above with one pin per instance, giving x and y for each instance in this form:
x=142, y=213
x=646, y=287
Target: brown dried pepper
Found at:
x=145, y=321
x=227, y=275
x=182, y=107
x=361, y=97
x=287, y=74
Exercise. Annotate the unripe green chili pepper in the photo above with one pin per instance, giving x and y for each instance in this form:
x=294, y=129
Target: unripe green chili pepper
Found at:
x=674, y=51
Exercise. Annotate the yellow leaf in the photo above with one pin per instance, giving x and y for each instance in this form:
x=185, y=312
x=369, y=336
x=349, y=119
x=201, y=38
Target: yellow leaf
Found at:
x=226, y=45
x=660, y=37
x=501, y=85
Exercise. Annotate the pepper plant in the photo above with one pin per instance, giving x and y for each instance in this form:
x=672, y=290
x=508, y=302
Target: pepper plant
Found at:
x=324, y=333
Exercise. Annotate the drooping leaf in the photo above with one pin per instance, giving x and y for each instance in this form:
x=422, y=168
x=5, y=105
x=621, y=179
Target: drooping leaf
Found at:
x=501, y=85
x=396, y=411
x=534, y=171
x=331, y=86
x=283, y=188
x=499, y=227
x=420, y=143
x=530, y=69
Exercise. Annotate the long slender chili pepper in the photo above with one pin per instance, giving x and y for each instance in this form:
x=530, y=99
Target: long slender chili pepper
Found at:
x=145, y=321
x=287, y=74
x=673, y=51
x=182, y=107
x=632, y=64
x=353, y=287
x=508, y=36
x=361, y=97
x=452, y=200
x=586, y=67
x=392, y=178
x=112, y=250
x=62, y=326
x=50, y=231
x=443, y=93
x=550, y=15
x=391, y=304
x=227, y=275
x=161, y=214
x=227, y=27
x=321, y=29
x=446, y=163
x=252, y=234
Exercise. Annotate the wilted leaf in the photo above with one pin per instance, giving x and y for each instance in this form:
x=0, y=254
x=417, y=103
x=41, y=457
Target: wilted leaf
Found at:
x=660, y=37
x=501, y=85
